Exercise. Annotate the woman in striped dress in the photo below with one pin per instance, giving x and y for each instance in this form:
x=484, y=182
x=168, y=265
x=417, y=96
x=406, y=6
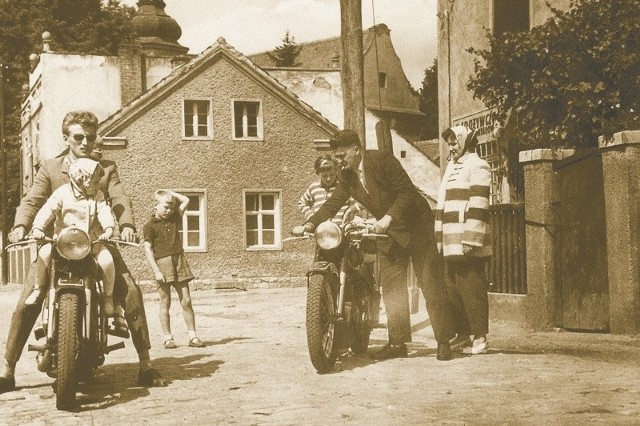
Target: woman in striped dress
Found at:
x=463, y=236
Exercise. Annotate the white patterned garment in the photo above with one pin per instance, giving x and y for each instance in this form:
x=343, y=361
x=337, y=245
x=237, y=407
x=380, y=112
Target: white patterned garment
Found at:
x=462, y=211
x=69, y=208
x=316, y=195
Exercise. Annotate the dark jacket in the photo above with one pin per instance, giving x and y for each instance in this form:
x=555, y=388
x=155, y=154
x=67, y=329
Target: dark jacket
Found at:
x=390, y=192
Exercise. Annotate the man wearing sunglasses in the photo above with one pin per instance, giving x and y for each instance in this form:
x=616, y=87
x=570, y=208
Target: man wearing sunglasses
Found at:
x=79, y=129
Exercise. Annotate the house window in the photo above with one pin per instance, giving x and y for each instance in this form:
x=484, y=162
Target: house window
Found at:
x=193, y=229
x=489, y=152
x=247, y=119
x=382, y=80
x=197, y=119
x=510, y=16
x=262, y=220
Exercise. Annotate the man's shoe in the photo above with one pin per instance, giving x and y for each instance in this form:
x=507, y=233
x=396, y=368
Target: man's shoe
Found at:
x=461, y=341
x=390, y=351
x=7, y=384
x=151, y=378
x=444, y=352
x=479, y=346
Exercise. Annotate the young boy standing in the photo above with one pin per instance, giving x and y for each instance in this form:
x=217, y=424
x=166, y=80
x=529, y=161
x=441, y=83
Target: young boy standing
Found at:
x=163, y=247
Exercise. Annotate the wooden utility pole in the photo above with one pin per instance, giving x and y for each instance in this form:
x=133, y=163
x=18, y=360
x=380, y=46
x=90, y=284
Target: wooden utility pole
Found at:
x=352, y=66
x=5, y=199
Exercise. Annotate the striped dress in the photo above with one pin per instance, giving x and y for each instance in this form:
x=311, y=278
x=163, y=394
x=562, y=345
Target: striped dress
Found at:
x=316, y=195
x=462, y=212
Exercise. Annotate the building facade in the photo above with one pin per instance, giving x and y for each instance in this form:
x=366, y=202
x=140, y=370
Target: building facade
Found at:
x=463, y=24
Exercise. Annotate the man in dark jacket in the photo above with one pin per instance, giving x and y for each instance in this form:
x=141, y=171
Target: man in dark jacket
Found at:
x=79, y=130
x=377, y=181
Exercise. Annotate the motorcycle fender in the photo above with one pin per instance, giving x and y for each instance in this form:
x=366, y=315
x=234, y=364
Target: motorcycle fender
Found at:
x=322, y=268
x=73, y=285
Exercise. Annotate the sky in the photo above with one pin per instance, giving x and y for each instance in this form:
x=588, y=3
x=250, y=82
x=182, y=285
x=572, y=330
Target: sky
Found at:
x=253, y=26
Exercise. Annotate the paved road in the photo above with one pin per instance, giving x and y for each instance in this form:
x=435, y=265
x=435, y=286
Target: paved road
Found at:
x=255, y=370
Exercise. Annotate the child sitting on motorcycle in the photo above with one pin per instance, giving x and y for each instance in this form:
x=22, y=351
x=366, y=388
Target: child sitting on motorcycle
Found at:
x=80, y=204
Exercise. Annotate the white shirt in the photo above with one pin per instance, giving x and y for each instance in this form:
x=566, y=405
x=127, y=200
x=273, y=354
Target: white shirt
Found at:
x=360, y=173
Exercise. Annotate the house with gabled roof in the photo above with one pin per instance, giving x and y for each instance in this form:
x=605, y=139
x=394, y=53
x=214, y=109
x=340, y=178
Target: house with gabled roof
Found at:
x=387, y=91
x=241, y=147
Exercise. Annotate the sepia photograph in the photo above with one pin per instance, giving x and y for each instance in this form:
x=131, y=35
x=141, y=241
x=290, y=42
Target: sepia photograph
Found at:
x=320, y=212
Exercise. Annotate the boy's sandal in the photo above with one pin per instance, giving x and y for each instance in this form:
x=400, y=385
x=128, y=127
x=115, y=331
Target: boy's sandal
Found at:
x=169, y=344
x=196, y=343
x=119, y=327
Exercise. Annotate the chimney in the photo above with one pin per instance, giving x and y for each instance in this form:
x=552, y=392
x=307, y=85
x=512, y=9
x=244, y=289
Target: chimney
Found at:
x=132, y=75
x=46, y=41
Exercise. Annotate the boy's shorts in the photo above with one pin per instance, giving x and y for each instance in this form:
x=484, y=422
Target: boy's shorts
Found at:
x=175, y=269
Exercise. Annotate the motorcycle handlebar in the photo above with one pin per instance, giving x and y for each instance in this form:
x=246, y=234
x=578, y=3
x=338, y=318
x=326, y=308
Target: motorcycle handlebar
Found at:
x=47, y=240
x=116, y=242
x=306, y=236
x=44, y=240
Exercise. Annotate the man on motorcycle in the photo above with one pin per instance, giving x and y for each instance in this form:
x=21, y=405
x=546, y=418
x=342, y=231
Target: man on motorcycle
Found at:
x=377, y=181
x=79, y=129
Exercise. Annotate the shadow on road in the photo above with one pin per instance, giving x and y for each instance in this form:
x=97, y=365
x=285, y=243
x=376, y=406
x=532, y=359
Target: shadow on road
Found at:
x=116, y=383
x=351, y=361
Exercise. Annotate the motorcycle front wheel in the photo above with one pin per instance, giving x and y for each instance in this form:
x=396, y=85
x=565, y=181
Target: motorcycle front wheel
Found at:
x=67, y=351
x=320, y=321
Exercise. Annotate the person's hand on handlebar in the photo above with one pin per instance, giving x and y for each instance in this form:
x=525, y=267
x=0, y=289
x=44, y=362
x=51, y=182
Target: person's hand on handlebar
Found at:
x=381, y=226
x=300, y=230
x=127, y=234
x=37, y=234
x=17, y=234
x=108, y=233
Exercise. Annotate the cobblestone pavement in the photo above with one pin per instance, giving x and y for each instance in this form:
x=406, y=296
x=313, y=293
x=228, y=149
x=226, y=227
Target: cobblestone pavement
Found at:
x=255, y=370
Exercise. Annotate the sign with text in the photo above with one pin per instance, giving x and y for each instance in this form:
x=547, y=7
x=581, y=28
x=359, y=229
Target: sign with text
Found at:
x=484, y=121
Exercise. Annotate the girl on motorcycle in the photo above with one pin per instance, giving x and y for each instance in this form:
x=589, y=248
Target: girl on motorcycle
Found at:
x=82, y=205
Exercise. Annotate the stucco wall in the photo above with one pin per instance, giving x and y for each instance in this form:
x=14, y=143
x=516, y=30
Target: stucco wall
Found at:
x=463, y=24
x=74, y=82
x=156, y=157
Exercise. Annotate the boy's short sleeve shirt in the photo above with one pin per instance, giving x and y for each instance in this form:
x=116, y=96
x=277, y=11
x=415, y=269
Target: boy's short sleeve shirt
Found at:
x=163, y=236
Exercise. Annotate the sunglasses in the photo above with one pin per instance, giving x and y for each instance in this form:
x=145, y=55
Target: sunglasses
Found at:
x=79, y=138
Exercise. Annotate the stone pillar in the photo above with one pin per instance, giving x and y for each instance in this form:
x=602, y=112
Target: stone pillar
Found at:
x=621, y=172
x=543, y=306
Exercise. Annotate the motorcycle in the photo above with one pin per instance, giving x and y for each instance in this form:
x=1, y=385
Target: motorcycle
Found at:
x=343, y=295
x=73, y=325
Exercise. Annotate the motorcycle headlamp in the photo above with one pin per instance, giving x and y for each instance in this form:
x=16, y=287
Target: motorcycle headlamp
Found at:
x=328, y=235
x=73, y=244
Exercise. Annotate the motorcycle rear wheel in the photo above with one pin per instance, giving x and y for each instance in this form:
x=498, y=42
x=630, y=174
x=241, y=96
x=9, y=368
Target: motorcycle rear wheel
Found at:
x=67, y=351
x=320, y=322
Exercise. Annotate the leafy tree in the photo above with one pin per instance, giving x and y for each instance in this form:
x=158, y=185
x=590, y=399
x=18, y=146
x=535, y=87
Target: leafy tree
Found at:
x=78, y=26
x=569, y=80
x=286, y=54
x=429, y=102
